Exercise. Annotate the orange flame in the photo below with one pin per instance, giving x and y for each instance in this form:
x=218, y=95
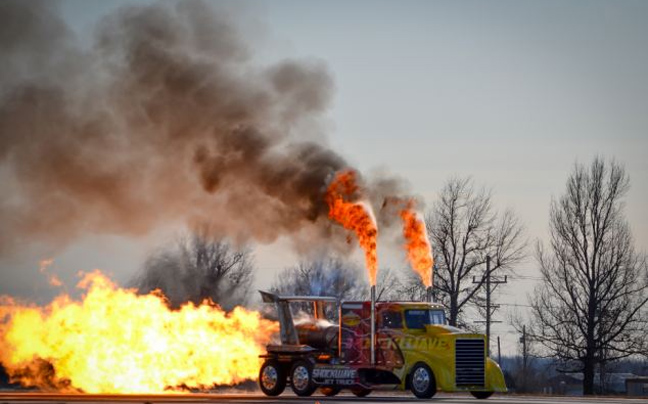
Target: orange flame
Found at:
x=52, y=279
x=417, y=245
x=115, y=341
x=356, y=216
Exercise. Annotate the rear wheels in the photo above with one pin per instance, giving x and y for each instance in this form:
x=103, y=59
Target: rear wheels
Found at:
x=481, y=395
x=272, y=378
x=360, y=391
x=301, y=378
x=330, y=391
x=422, y=382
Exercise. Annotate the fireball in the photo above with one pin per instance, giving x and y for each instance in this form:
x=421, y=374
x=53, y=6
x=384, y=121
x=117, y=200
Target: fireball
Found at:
x=113, y=340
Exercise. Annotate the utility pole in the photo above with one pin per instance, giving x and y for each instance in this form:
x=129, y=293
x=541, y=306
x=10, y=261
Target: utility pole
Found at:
x=499, y=351
x=489, y=290
x=525, y=355
x=524, y=349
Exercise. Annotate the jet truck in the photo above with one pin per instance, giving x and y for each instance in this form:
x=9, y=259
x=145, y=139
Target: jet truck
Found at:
x=374, y=346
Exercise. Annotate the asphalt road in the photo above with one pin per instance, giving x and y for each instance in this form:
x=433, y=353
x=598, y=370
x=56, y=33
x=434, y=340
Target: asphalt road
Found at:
x=44, y=398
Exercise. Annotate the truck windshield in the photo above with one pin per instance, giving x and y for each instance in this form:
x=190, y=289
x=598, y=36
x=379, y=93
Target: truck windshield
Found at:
x=419, y=318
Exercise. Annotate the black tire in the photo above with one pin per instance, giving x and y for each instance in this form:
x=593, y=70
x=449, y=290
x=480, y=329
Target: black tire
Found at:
x=481, y=395
x=330, y=391
x=360, y=391
x=421, y=381
x=272, y=378
x=301, y=378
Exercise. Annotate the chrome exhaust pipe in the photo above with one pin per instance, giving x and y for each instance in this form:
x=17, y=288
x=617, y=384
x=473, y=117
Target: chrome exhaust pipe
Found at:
x=428, y=293
x=373, y=325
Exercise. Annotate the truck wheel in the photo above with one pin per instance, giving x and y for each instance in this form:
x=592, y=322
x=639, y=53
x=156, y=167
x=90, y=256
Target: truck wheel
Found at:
x=422, y=382
x=360, y=391
x=330, y=391
x=481, y=395
x=301, y=378
x=272, y=378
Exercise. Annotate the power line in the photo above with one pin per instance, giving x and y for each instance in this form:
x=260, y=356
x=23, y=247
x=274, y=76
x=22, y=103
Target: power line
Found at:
x=489, y=282
x=515, y=304
x=527, y=277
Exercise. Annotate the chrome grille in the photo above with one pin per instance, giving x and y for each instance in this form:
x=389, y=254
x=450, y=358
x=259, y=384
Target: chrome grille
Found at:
x=469, y=362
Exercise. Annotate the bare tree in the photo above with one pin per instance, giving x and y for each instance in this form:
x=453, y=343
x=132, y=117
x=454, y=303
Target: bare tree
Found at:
x=329, y=276
x=197, y=267
x=464, y=229
x=410, y=287
x=591, y=306
x=388, y=285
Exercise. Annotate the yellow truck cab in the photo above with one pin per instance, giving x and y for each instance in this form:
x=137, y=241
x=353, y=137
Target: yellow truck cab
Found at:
x=454, y=359
x=409, y=347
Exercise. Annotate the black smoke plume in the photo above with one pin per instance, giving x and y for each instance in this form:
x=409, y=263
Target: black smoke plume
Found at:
x=162, y=117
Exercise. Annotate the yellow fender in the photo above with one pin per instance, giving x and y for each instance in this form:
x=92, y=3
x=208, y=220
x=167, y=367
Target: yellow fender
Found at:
x=444, y=375
x=494, y=377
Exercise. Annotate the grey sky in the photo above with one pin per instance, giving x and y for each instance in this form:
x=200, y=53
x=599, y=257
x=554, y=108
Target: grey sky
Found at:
x=510, y=92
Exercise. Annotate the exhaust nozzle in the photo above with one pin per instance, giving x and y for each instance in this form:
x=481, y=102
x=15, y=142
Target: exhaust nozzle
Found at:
x=373, y=325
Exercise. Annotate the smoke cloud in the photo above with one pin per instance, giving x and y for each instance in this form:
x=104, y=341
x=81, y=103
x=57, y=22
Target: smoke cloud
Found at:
x=163, y=118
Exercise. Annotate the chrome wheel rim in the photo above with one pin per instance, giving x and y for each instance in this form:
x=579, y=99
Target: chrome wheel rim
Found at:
x=300, y=377
x=269, y=377
x=421, y=379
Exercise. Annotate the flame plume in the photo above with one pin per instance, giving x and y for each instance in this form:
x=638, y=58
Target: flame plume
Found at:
x=115, y=341
x=417, y=245
x=354, y=215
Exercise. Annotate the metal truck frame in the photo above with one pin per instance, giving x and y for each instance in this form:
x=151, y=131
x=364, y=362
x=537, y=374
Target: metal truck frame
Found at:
x=376, y=346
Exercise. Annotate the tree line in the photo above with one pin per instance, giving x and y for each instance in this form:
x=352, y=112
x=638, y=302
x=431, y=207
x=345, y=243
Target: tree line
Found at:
x=589, y=309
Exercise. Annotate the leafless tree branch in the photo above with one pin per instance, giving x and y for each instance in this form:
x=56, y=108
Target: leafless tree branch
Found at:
x=198, y=267
x=591, y=306
x=464, y=229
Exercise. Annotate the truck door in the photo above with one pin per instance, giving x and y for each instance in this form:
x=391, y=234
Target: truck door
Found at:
x=355, y=333
x=390, y=330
